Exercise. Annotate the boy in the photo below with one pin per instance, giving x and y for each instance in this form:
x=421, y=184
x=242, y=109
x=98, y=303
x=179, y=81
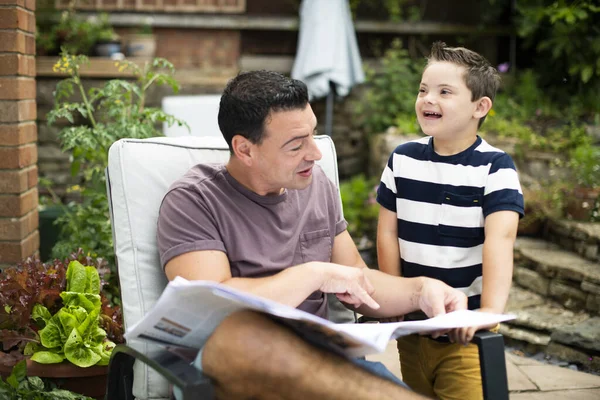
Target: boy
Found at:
x=450, y=209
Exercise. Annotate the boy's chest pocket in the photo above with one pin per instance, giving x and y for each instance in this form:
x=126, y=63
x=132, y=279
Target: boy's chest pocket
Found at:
x=315, y=246
x=461, y=215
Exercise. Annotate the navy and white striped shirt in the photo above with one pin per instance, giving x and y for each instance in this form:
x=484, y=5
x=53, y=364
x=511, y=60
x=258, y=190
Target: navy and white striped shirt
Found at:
x=441, y=203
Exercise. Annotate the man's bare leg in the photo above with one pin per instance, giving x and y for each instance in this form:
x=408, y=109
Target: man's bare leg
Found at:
x=251, y=357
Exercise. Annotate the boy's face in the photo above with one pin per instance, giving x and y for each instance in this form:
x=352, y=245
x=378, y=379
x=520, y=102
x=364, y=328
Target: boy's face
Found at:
x=444, y=107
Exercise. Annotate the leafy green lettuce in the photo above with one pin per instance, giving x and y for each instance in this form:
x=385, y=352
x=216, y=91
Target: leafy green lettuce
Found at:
x=73, y=332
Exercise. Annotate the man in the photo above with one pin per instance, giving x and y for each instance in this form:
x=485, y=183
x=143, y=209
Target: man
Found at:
x=269, y=223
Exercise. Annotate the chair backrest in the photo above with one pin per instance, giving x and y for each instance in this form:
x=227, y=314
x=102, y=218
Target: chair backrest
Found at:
x=139, y=174
x=199, y=112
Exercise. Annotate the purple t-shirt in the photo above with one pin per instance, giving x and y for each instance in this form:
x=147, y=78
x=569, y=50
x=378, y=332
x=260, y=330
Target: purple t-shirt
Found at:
x=208, y=209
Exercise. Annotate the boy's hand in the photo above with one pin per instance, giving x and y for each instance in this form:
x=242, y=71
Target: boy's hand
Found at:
x=465, y=335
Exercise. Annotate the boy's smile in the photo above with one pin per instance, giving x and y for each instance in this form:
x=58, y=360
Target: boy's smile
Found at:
x=444, y=107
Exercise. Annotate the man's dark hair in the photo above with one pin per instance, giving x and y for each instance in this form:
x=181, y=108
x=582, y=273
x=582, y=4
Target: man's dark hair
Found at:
x=481, y=78
x=249, y=98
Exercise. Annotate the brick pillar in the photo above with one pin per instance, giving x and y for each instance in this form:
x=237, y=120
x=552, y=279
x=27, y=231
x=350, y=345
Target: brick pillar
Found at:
x=19, y=236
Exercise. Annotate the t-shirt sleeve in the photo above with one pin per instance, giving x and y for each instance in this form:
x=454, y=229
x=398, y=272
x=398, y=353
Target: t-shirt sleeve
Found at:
x=386, y=192
x=503, y=189
x=185, y=224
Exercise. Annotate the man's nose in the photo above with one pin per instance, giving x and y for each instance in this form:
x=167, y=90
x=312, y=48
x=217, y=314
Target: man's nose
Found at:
x=313, y=154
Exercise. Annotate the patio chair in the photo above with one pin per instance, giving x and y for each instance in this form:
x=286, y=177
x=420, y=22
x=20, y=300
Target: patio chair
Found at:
x=138, y=175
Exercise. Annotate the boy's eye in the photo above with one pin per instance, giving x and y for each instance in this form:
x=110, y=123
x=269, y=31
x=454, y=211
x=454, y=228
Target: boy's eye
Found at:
x=421, y=90
x=445, y=91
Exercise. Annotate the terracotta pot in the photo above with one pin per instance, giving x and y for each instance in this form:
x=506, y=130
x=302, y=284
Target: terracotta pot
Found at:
x=581, y=203
x=87, y=381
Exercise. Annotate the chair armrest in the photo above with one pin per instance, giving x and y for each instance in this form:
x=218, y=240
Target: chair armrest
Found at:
x=174, y=367
x=493, y=365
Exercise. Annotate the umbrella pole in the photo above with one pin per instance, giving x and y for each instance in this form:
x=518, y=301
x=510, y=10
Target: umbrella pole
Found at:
x=329, y=110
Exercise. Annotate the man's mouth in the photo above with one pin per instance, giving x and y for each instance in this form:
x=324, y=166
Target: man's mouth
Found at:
x=432, y=115
x=306, y=172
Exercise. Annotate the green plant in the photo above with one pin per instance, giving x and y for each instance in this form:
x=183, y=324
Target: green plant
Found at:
x=390, y=90
x=565, y=35
x=585, y=164
x=32, y=284
x=18, y=386
x=360, y=208
x=73, y=333
x=73, y=33
x=98, y=118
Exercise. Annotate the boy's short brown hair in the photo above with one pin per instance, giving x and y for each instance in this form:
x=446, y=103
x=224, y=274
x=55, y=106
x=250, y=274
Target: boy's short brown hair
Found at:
x=481, y=78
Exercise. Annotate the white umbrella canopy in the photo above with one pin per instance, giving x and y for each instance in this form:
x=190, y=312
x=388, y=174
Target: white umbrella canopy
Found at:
x=327, y=58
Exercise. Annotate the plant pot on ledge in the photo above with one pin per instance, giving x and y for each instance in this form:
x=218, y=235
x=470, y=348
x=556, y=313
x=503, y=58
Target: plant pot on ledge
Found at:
x=89, y=381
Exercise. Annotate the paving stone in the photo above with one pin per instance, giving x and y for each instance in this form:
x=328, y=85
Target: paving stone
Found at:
x=520, y=298
x=554, y=262
x=520, y=360
x=585, y=394
x=517, y=380
x=546, y=317
x=585, y=334
x=548, y=377
x=525, y=335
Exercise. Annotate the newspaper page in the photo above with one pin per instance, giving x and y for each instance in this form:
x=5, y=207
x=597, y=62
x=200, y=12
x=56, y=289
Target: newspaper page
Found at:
x=189, y=311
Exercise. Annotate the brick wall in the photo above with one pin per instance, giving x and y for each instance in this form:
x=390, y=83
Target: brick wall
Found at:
x=209, y=6
x=18, y=132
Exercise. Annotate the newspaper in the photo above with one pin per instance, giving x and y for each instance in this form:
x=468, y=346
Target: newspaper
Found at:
x=188, y=312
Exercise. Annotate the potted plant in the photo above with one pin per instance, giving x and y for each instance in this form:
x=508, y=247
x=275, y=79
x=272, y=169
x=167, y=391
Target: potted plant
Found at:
x=56, y=313
x=141, y=43
x=585, y=166
x=108, y=42
x=74, y=34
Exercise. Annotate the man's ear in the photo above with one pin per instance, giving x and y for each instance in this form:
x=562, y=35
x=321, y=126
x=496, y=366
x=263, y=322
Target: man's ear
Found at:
x=484, y=105
x=242, y=149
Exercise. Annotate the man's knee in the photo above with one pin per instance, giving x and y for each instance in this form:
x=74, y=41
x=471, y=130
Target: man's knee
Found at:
x=243, y=342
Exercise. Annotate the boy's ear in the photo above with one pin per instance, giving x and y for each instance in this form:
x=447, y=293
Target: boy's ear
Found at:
x=484, y=105
x=242, y=148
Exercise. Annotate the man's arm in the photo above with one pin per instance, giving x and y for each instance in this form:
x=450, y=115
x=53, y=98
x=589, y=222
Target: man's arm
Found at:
x=291, y=286
x=388, y=248
x=397, y=295
x=500, y=234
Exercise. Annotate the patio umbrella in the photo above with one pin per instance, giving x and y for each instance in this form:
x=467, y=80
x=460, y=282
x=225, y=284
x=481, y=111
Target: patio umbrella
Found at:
x=327, y=59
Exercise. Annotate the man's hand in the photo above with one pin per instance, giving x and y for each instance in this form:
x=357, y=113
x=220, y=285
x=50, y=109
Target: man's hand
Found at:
x=349, y=284
x=437, y=298
x=465, y=335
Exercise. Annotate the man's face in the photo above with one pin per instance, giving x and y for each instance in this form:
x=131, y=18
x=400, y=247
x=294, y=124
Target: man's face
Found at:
x=288, y=152
x=444, y=107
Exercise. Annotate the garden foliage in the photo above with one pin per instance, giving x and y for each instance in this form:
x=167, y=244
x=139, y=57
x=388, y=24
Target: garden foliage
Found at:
x=34, y=289
x=73, y=332
x=18, y=386
x=97, y=118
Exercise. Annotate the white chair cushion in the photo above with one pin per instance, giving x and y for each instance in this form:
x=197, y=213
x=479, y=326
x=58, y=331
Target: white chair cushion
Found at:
x=140, y=171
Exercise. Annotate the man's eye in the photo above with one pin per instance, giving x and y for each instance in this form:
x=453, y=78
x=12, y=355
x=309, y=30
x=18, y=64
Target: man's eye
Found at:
x=296, y=148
